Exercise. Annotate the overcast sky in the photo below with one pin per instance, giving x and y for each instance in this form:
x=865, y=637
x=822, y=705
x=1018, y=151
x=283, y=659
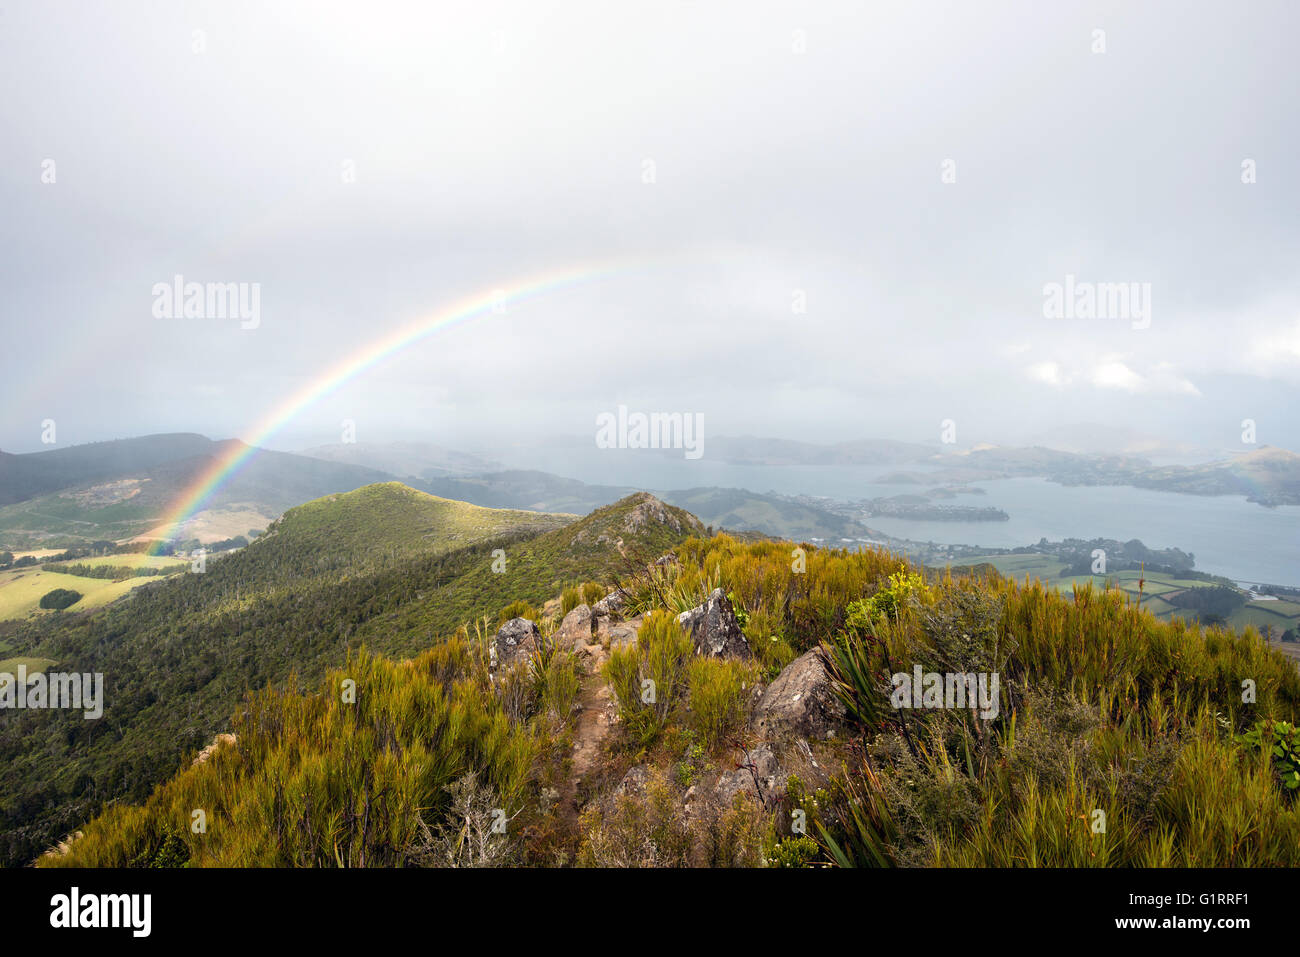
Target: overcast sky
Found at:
x=796, y=149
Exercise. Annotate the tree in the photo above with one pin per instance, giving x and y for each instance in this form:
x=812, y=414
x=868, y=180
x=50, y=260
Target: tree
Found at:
x=60, y=599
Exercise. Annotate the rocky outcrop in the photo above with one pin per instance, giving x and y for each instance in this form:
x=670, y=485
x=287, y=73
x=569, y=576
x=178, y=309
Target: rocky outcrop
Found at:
x=610, y=606
x=575, y=627
x=634, y=782
x=759, y=778
x=800, y=702
x=714, y=629
x=647, y=510
x=220, y=741
x=516, y=641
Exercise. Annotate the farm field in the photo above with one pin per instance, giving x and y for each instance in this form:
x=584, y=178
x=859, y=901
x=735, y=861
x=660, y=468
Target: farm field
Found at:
x=1276, y=616
x=21, y=590
x=129, y=560
x=9, y=666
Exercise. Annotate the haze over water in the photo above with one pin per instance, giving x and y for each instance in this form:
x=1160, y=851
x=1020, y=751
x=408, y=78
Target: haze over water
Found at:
x=1228, y=535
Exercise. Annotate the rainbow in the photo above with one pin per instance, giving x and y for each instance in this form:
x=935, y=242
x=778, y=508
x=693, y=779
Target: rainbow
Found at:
x=228, y=464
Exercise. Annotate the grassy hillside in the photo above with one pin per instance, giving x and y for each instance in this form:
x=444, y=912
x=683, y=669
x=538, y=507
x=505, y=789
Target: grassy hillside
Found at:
x=21, y=591
x=34, y=474
x=387, y=565
x=393, y=519
x=119, y=490
x=1103, y=709
x=603, y=546
x=733, y=509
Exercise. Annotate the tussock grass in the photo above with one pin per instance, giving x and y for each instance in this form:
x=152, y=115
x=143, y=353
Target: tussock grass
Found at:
x=649, y=679
x=719, y=698
x=1102, y=708
x=315, y=781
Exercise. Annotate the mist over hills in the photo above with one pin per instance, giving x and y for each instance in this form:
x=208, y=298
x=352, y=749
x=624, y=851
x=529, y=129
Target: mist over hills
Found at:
x=123, y=489
x=404, y=459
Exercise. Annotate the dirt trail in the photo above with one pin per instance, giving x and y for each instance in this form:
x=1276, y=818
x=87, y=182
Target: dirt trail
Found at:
x=598, y=707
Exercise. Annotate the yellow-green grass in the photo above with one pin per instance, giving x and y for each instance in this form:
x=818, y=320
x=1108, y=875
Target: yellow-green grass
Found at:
x=21, y=591
x=1260, y=614
x=9, y=666
x=1043, y=567
x=127, y=560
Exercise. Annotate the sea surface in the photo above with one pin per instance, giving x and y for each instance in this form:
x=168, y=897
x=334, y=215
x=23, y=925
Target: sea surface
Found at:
x=1228, y=535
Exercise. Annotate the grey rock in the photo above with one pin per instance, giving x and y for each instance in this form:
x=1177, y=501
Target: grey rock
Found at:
x=623, y=634
x=714, y=630
x=516, y=640
x=800, y=702
x=575, y=627
x=741, y=780
x=611, y=605
x=634, y=782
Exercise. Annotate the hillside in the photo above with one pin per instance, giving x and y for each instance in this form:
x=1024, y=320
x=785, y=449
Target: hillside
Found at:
x=386, y=564
x=30, y=475
x=123, y=489
x=1268, y=475
x=774, y=737
x=409, y=460
x=395, y=519
x=734, y=509
x=605, y=546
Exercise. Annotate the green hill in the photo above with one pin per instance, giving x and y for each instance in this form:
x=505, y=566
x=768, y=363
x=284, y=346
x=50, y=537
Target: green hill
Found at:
x=733, y=509
x=1103, y=714
x=387, y=564
x=393, y=518
x=123, y=489
x=607, y=545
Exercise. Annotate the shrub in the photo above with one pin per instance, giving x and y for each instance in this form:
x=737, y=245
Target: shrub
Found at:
x=570, y=600
x=641, y=831
x=718, y=698
x=558, y=684
x=60, y=599
x=1280, y=740
x=517, y=609
x=659, y=657
x=800, y=851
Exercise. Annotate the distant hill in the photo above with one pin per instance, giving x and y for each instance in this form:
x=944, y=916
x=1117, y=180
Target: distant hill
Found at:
x=395, y=519
x=524, y=488
x=734, y=509
x=33, y=474
x=404, y=459
x=1268, y=475
x=1091, y=438
x=127, y=488
x=744, y=511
